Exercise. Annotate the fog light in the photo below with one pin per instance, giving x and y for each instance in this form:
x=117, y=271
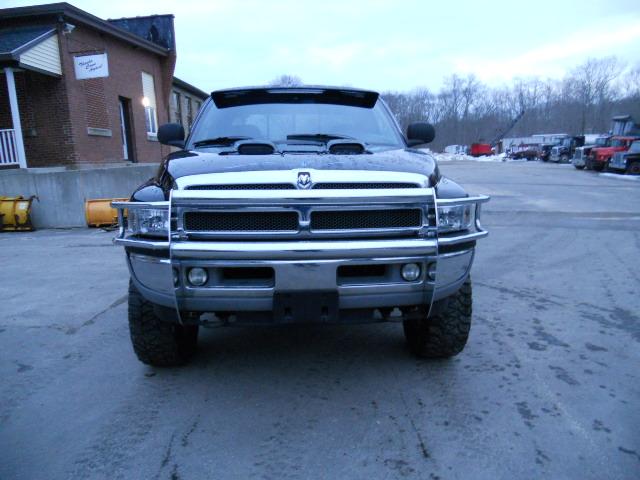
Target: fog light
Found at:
x=197, y=276
x=410, y=272
x=431, y=271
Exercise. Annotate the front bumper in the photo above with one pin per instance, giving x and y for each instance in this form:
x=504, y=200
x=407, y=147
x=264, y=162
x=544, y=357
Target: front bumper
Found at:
x=365, y=272
x=617, y=164
x=305, y=270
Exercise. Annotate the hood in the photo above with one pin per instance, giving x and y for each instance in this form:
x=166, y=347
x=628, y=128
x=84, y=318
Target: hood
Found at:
x=180, y=164
x=607, y=150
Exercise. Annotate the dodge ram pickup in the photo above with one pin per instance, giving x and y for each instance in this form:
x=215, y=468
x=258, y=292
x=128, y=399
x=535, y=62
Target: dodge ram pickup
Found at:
x=302, y=204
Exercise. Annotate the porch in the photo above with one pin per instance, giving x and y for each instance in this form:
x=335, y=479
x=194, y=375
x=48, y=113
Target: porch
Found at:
x=32, y=49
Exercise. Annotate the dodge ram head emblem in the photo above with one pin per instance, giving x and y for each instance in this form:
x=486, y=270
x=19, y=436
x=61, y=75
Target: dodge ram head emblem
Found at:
x=304, y=180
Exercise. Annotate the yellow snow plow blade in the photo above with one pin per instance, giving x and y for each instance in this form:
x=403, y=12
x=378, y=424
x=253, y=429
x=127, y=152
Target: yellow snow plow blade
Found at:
x=15, y=213
x=99, y=212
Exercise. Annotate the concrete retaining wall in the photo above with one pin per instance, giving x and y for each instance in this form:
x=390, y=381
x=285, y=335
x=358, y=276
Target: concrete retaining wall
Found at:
x=62, y=192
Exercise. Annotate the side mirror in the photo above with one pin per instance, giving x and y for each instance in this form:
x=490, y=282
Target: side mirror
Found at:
x=419, y=133
x=171, y=134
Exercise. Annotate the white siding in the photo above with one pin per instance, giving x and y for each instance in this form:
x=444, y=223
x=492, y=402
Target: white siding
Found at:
x=44, y=56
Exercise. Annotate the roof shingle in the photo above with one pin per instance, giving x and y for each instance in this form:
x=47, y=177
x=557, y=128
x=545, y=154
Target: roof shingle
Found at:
x=12, y=38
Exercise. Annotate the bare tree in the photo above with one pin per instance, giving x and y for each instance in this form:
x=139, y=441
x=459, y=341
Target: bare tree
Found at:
x=286, y=81
x=592, y=85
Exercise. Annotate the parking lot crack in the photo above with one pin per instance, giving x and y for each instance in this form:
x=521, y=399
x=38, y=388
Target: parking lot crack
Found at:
x=92, y=320
x=421, y=443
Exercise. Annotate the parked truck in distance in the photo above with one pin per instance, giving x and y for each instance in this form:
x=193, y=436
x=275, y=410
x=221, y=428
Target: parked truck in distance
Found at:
x=480, y=149
x=629, y=161
x=582, y=153
x=563, y=152
x=547, y=141
x=523, y=152
x=600, y=156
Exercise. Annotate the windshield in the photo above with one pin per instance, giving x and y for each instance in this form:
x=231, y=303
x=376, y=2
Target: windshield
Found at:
x=308, y=122
x=602, y=142
x=635, y=147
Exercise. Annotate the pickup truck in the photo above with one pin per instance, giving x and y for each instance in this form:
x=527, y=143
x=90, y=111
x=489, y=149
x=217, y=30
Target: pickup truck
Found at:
x=628, y=161
x=303, y=204
x=599, y=157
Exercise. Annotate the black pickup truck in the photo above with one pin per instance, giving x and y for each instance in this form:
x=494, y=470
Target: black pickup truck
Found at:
x=298, y=205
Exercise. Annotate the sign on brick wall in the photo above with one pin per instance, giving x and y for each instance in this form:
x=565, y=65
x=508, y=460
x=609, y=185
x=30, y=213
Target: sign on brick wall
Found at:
x=91, y=66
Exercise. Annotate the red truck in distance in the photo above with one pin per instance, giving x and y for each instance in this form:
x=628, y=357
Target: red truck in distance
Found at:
x=600, y=156
x=480, y=149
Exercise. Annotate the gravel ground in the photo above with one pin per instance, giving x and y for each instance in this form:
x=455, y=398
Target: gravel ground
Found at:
x=548, y=386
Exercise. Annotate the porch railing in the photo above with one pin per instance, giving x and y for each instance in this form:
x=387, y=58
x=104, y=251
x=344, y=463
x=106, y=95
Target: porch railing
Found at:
x=8, y=148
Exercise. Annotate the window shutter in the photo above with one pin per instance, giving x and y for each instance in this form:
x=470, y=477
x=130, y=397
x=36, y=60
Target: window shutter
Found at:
x=149, y=89
x=149, y=102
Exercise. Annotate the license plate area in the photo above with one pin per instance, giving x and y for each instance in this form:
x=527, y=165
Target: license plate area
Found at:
x=306, y=306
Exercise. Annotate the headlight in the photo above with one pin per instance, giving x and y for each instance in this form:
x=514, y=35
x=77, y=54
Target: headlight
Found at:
x=152, y=222
x=454, y=218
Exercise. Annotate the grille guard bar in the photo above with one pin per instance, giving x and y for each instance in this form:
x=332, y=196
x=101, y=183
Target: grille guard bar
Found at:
x=179, y=246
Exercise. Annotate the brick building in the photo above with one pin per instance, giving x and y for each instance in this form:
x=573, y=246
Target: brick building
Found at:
x=185, y=102
x=76, y=90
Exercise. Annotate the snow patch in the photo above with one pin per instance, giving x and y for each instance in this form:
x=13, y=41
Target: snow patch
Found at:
x=620, y=176
x=448, y=157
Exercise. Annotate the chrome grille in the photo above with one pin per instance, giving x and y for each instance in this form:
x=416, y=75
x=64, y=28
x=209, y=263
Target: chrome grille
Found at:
x=241, y=221
x=317, y=186
x=366, y=219
x=356, y=185
x=244, y=186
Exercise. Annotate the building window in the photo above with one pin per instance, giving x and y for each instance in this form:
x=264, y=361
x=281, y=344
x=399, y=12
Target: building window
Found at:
x=149, y=103
x=176, y=107
x=189, y=113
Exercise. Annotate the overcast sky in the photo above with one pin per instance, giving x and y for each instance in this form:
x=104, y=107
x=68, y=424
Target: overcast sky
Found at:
x=384, y=44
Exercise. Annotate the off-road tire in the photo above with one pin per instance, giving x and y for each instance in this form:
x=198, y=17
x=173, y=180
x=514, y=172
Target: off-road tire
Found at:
x=157, y=342
x=564, y=159
x=579, y=167
x=633, y=168
x=445, y=333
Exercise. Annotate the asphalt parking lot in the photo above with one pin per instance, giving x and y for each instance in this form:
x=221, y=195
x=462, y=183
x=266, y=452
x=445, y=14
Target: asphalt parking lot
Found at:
x=548, y=386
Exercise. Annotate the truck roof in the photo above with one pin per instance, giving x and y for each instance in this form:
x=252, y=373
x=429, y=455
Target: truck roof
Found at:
x=304, y=94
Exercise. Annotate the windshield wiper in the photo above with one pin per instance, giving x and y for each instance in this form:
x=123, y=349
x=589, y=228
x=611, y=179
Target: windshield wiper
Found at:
x=318, y=137
x=222, y=141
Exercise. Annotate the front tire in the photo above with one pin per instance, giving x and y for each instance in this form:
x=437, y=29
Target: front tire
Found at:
x=157, y=342
x=444, y=333
x=634, y=168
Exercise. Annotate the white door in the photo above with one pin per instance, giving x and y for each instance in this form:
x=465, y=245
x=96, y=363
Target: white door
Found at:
x=123, y=131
